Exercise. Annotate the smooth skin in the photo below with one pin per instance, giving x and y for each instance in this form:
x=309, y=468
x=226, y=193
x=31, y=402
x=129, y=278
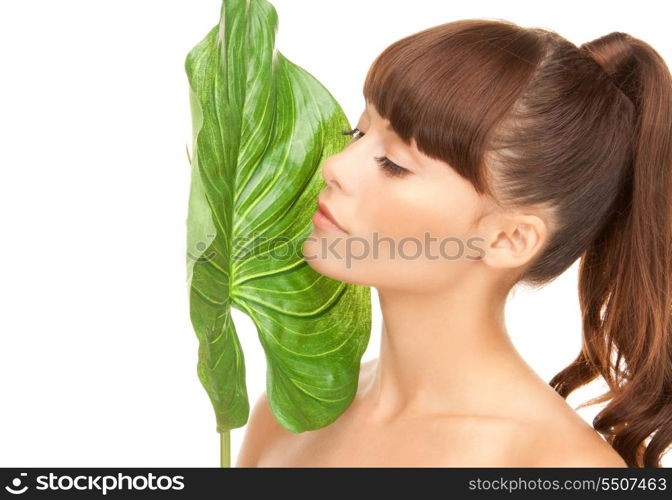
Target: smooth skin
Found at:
x=448, y=388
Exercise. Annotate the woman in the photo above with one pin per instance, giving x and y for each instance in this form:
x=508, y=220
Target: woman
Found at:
x=489, y=155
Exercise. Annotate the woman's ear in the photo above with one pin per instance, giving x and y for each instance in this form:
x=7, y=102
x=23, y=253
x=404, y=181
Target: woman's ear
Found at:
x=514, y=241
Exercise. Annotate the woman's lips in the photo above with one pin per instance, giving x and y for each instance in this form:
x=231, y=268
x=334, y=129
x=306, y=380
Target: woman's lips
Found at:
x=322, y=218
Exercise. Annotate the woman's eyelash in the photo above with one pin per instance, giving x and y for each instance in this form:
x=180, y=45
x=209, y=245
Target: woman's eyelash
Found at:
x=352, y=132
x=389, y=166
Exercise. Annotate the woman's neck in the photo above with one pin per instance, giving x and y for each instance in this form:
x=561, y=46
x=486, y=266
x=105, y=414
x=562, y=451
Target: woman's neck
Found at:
x=445, y=352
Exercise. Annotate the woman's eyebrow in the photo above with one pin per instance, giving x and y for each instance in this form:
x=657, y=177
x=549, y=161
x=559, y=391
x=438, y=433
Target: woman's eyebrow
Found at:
x=388, y=126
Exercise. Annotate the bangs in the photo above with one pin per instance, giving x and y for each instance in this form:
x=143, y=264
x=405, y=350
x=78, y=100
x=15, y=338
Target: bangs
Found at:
x=448, y=86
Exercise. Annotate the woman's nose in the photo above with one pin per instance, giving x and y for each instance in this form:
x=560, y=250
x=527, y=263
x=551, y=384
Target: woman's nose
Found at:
x=330, y=173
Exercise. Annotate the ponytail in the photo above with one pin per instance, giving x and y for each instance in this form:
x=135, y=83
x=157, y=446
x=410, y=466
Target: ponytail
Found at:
x=625, y=275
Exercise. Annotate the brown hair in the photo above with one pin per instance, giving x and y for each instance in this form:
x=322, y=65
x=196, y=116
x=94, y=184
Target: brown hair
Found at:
x=585, y=132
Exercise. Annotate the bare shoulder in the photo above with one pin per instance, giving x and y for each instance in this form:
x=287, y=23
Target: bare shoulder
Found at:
x=261, y=430
x=550, y=433
x=571, y=445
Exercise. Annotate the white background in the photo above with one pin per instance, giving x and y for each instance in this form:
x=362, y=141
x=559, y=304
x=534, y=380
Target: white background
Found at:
x=97, y=353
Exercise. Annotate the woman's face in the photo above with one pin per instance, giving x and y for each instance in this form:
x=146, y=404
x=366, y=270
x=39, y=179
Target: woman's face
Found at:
x=410, y=229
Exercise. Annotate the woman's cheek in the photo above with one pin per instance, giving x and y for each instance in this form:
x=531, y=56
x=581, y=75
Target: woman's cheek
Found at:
x=414, y=212
x=396, y=217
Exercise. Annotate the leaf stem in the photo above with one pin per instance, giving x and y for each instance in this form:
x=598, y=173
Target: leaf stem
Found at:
x=225, y=449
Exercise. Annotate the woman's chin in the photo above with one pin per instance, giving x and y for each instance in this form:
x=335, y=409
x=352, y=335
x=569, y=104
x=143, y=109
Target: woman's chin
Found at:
x=323, y=264
x=327, y=265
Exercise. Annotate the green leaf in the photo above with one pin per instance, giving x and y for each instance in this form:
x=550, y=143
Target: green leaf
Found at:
x=262, y=127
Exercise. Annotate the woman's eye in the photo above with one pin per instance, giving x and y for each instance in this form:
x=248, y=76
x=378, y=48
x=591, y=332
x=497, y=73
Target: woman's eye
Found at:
x=389, y=166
